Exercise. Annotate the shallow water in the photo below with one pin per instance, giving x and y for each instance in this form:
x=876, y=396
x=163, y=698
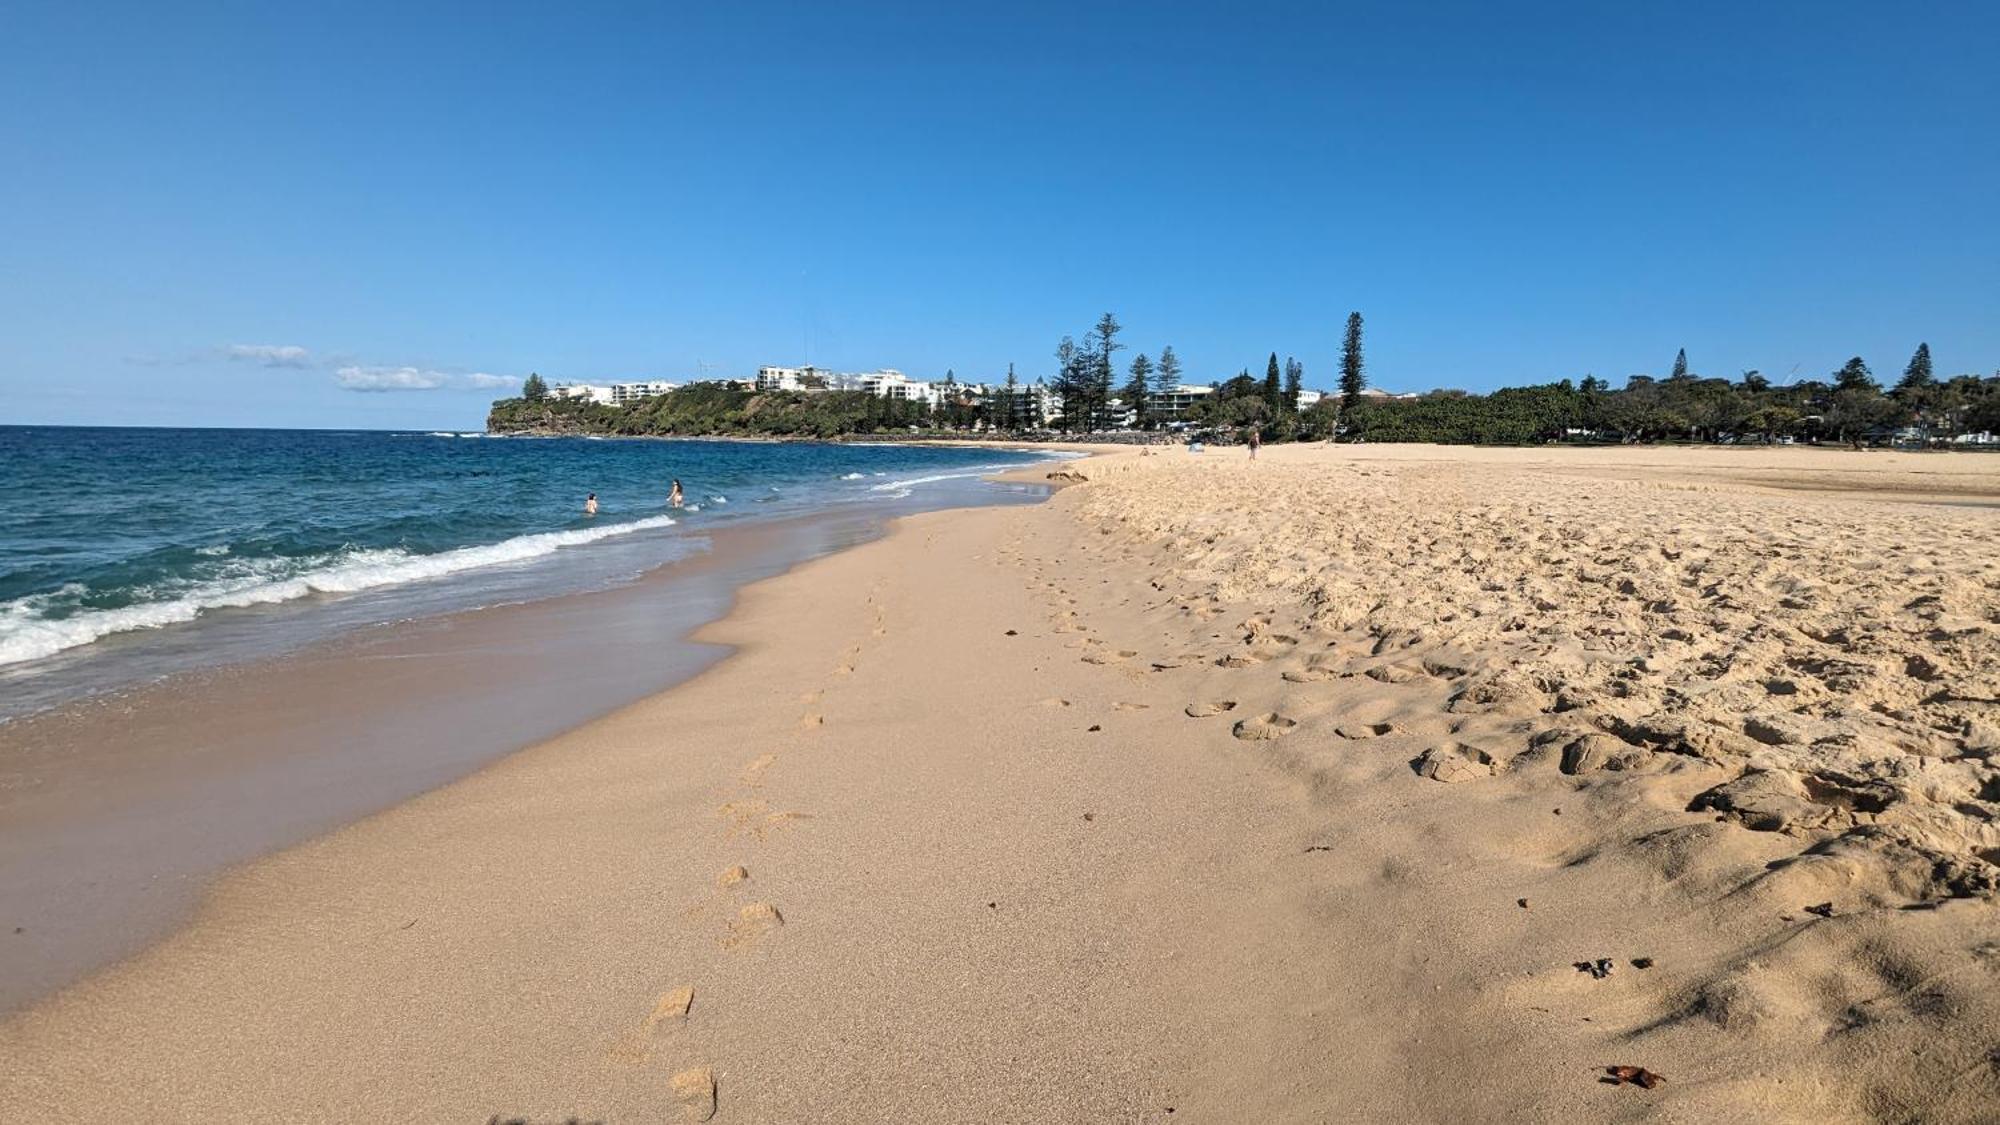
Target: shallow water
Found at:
x=116, y=809
x=130, y=554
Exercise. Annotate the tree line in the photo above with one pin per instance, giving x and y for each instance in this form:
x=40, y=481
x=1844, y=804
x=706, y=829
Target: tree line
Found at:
x=715, y=409
x=1086, y=381
x=1849, y=406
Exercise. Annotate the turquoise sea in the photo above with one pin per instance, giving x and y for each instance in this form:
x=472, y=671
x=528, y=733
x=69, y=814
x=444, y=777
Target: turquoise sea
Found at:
x=108, y=536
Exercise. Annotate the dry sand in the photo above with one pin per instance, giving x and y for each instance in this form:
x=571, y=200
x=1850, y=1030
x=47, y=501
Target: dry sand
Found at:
x=1208, y=791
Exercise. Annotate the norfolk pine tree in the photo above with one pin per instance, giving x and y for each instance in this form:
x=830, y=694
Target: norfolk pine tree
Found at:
x=1137, y=389
x=1353, y=380
x=1167, y=376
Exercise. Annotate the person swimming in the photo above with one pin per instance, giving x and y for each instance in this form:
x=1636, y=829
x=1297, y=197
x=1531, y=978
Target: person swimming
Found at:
x=590, y=504
x=675, y=498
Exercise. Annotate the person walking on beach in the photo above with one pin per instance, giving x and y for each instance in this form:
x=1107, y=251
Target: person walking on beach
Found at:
x=590, y=504
x=674, y=498
x=1256, y=440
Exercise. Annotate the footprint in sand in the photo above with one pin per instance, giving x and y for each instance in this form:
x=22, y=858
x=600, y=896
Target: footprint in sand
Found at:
x=1129, y=706
x=742, y=814
x=671, y=1009
x=811, y=720
x=1204, y=710
x=694, y=1093
x=1358, y=731
x=1263, y=728
x=1052, y=701
x=752, y=922
x=753, y=817
x=753, y=774
x=1117, y=657
x=1393, y=673
x=1326, y=666
x=1452, y=763
x=1444, y=667
x=732, y=875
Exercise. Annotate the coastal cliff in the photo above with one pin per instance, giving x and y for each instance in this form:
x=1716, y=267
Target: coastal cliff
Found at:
x=548, y=418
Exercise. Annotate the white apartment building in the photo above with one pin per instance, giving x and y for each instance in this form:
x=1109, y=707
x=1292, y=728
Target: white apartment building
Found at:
x=592, y=392
x=612, y=394
x=807, y=378
x=1032, y=405
x=1173, y=405
x=1307, y=398
x=625, y=394
x=778, y=378
x=894, y=384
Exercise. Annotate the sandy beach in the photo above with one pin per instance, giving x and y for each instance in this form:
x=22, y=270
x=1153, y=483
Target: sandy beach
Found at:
x=1351, y=784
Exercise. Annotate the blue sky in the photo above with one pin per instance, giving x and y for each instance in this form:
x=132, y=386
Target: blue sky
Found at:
x=369, y=215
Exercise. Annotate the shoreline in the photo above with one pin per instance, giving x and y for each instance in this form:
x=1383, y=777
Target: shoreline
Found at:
x=122, y=806
x=1114, y=808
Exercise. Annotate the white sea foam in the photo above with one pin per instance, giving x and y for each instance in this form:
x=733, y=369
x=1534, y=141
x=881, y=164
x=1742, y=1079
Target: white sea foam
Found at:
x=28, y=633
x=213, y=550
x=901, y=488
x=898, y=489
x=850, y=476
x=718, y=499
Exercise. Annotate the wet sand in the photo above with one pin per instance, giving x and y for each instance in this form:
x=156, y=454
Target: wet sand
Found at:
x=116, y=812
x=1207, y=791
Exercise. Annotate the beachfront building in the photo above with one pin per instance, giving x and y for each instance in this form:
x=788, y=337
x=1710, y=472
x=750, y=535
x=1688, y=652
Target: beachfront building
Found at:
x=625, y=394
x=893, y=384
x=1308, y=398
x=600, y=393
x=1047, y=404
x=1382, y=395
x=1030, y=406
x=1172, y=406
x=779, y=378
x=807, y=378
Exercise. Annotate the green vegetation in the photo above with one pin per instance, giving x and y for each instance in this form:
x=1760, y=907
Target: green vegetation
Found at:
x=714, y=409
x=1136, y=390
x=1084, y=374
x=1850, y=406
x=1352, y=380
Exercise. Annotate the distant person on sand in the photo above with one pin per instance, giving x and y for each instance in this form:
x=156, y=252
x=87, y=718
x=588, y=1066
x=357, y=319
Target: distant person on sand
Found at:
x=1256, y=440
x=674, y=498
x=590, y=504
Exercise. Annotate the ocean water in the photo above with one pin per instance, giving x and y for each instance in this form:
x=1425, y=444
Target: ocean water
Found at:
x=182, y=542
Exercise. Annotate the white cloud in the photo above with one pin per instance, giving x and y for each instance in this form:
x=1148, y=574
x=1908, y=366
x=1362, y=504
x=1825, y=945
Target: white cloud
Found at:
x=388, y=379
x=355, y=378
x=271, y=355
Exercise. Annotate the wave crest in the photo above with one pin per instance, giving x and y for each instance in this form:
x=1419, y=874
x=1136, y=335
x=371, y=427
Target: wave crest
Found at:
x=28, y=631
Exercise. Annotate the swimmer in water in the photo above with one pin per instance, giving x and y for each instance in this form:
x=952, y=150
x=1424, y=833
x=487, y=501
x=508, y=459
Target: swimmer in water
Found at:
x=674, y=498
x=590, y=504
